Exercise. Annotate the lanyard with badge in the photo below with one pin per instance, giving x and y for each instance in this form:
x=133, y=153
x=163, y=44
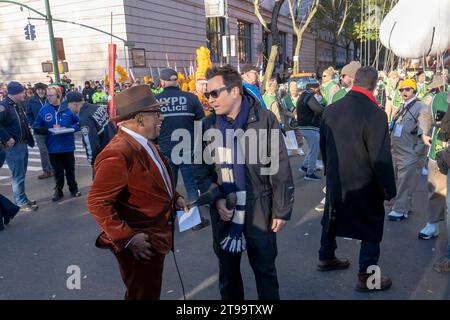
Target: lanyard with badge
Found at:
x=397, y=128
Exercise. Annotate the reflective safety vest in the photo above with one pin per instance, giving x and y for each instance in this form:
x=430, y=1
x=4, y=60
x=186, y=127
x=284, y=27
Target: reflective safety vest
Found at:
x=439, y=104
x=339, y=95
x=421, y=90
x=326, y=92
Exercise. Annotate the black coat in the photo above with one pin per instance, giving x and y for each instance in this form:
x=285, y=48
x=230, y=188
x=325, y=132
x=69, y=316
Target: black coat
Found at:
x=96, y=129
x=32, y=107
x=355, y=146
x=268, y=196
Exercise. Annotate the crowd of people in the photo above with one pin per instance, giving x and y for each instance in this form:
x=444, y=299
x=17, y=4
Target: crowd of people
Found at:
x=374, y=135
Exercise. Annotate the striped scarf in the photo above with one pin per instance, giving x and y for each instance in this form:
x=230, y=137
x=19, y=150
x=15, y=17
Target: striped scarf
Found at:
x=232, y=172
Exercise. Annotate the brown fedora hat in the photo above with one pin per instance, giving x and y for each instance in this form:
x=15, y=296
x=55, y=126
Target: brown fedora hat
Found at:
x=132, y=101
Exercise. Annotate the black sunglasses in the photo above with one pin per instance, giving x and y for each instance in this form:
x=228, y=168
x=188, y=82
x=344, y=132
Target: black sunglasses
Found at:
x=405, y=89
x=216, y=93
x=157, y=112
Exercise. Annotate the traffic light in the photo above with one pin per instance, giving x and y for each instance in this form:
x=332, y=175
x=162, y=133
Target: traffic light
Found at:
x=27, y=32
x=32, y=32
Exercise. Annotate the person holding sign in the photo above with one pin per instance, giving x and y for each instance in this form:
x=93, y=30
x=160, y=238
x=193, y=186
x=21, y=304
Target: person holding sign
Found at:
x=58, y=123
x=133, y=196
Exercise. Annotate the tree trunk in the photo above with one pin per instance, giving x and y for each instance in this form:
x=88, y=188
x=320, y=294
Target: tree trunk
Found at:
x=298, y=48
x=334, y=52
x=347, y=53
x=270, y=65
x=276, y=42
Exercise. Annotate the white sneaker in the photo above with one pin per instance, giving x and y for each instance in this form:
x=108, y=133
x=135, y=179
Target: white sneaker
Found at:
x=424, y=171
x=319, y=165
x=430, y=231
x=396, y=216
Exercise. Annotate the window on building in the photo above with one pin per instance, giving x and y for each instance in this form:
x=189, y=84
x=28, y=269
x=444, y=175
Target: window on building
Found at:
x=215, y=29
x=244, y=42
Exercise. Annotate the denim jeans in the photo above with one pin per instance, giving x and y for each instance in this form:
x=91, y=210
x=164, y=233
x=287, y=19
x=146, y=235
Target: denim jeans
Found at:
x=312, y=137
x=369, y=253
x=447, y=218
x=17, y=160
x=188, y=179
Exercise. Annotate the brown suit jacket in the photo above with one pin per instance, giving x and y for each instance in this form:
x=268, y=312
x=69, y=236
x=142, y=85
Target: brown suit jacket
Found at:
x=128, y=196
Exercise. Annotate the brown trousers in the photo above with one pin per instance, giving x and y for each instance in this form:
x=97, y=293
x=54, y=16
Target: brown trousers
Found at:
x=437, y=192
x=143, y=279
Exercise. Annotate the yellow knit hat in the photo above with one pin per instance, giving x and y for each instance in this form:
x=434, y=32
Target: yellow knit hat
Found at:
x=408, y=83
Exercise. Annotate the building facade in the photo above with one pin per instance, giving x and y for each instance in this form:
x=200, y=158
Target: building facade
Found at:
x=163, y=33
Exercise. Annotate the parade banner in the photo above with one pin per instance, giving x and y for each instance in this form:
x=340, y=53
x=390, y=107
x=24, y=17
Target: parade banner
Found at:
x=112, y=48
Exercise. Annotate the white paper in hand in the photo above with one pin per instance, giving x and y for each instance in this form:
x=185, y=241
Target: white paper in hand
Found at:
x=189, y=220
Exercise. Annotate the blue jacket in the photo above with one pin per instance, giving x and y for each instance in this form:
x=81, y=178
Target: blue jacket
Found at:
x=180, y=111
x=32, y=107
x=66, y=119
x=254, y=91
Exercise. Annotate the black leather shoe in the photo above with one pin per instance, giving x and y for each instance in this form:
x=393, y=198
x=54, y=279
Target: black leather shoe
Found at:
x=7, y=219
x=57, y=196
x=76, y=194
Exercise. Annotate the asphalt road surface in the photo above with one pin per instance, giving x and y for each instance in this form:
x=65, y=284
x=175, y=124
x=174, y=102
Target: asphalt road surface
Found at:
x=36, y=250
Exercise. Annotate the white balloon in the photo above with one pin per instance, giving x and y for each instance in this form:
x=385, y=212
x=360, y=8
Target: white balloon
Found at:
x=417, y=28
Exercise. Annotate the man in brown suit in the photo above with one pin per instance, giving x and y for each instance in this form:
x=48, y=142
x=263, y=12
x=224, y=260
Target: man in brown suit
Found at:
x=133, y=197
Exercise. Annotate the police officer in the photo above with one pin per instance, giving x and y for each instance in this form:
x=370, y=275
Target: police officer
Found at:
x=96, y=129
x=408, y=149
x=180, y=111
x=15, y=135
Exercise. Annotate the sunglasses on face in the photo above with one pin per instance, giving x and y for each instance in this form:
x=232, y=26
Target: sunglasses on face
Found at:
x=405, y=89
x=216, y=93
x=156, y=112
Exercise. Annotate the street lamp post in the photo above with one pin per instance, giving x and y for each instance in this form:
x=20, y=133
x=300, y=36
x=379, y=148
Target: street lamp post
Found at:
x=52, y=41
x=49, y=19
x=227, y=33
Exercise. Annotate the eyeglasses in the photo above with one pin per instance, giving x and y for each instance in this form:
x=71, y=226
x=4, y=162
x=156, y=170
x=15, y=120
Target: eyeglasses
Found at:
x=405, y=89
x=156, y=112
x=216, y=93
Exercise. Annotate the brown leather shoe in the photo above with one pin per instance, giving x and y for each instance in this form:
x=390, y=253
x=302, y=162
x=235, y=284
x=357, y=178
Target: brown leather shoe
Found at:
x=46, y=175
x=336, y=264
x=361, y=285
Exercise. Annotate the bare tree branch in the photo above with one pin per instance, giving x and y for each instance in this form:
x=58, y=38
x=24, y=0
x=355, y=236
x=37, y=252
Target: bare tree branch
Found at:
x=344, y=18
x=256, y=4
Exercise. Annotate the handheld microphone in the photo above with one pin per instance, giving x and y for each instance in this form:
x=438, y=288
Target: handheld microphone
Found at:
x=231, y=201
